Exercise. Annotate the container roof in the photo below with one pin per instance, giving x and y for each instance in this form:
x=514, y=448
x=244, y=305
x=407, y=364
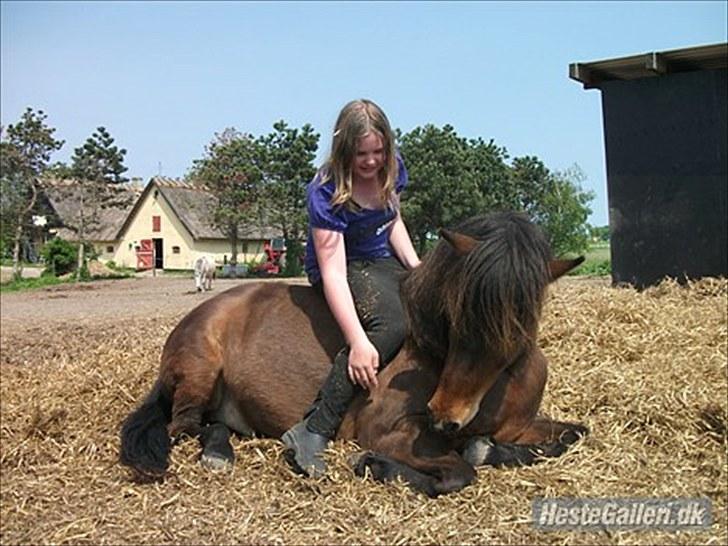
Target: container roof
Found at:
x=646, y=65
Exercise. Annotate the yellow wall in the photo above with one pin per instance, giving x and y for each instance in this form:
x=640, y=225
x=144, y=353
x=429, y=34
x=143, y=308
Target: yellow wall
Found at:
x=101, y=246
x=173, y=234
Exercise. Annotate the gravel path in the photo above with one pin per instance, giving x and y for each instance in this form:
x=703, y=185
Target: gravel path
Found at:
x=108, y=301
x=114, y=301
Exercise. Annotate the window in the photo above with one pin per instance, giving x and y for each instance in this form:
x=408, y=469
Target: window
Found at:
x=156, y=223
x=109, y=249
x=175, y=250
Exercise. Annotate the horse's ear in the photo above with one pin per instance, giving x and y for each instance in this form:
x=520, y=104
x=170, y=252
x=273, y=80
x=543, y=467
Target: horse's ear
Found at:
x=461, y=243
x=557, y=268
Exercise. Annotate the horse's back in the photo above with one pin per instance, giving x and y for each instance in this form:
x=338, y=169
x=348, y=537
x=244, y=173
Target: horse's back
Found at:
x=269, y=347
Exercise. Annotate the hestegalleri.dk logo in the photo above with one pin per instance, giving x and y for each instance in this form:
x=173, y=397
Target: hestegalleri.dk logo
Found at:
x=585, y=514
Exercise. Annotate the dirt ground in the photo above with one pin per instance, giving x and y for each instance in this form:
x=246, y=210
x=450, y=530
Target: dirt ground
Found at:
x=108, y=301
x=144, y=297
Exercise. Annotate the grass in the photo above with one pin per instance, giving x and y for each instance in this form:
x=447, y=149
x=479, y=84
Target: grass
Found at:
x=50, y=280
x=30, y=284
x=597, y=262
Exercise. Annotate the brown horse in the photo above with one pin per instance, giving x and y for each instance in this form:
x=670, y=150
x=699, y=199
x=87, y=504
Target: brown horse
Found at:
x=465, y=389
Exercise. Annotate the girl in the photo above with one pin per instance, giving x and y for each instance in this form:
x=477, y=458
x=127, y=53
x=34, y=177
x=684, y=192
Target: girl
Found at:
x=357, y=248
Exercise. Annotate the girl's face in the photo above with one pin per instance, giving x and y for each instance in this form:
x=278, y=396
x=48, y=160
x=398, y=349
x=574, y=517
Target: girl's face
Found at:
x=369, y=158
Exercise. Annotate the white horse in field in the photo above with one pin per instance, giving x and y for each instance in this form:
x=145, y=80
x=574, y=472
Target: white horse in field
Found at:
x=204, y=273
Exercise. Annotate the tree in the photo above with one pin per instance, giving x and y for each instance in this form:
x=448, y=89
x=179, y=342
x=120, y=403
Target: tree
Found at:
x=232, y=170
x=451, y=179
x=59, y=170
x=288, y=168
x=97, y=168
x=59, y=256
x=599, y=233
x=24, y=156
x=555, y=201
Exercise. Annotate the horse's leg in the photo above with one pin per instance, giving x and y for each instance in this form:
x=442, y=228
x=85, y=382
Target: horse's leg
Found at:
x=543, y=438
x=192, y=397
x=217, y=453
x=517, y=436
x=386, y=469
x=418, y=457
x=436, y=476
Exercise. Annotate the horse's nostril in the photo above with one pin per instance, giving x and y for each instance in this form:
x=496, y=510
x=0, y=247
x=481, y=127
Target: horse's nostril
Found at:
x=451, y=427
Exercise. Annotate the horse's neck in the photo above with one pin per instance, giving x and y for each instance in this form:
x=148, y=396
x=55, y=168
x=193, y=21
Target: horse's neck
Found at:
x=412, y=365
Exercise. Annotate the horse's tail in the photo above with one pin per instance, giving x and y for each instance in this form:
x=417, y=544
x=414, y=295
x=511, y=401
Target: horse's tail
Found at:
x=145, y=442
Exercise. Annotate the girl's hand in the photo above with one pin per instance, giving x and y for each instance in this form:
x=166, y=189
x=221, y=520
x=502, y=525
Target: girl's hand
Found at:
x=363, y=364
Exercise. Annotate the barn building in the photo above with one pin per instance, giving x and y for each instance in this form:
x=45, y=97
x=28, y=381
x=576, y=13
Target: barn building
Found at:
x=170, y=226
x=664, y=116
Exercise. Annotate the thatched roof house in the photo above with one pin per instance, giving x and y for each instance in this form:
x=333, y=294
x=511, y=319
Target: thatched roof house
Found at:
x=61, y=198
x=167, y=224
x=194, y=206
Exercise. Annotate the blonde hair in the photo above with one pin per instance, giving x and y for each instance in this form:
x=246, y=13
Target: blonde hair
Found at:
x=356, y=120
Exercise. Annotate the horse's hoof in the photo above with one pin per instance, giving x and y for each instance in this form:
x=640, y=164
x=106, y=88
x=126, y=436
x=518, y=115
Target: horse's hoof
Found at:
x=476, y=450
x=377, y=465
x=144, y=477
x=215, y=462
x=354, y=458
x=576, y=433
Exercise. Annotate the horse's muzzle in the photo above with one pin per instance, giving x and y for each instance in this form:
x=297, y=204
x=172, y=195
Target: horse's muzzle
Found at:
x=442, y=425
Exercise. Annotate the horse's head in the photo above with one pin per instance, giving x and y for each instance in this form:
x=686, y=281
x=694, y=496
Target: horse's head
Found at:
x=492, y=307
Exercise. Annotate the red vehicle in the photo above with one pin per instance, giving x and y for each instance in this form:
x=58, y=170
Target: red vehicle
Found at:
x=275, y=251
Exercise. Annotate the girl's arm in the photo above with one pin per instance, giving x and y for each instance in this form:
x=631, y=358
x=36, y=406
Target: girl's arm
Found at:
x=402, y=244
x=331, y=256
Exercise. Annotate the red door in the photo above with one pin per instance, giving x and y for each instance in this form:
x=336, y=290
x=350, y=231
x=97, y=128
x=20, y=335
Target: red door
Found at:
x=145, y=254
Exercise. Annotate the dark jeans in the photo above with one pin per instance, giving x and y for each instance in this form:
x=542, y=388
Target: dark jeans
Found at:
x=374, y=286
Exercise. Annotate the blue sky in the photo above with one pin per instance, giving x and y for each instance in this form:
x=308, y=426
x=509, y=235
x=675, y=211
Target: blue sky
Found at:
x=164, y=77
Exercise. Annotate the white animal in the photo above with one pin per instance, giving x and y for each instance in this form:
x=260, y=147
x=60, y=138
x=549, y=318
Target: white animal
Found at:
x=204, y=273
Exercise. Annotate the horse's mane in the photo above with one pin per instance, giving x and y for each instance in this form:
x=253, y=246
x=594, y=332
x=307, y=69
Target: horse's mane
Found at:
x=490, y=297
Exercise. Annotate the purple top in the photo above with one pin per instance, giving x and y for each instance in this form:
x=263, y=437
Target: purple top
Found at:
x=366, y=231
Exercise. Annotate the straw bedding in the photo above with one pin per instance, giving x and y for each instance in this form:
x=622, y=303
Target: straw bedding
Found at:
x=646, y=371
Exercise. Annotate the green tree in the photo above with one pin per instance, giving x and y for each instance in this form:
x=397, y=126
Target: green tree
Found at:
x=486, y=163
x=97, y=168
x=59, y=170
x=59, y=256
x=599, y=233
x=451, y=179
x=555, y=201
x=232, y=169
x=289, y=157
x=24, y=156
x=438, y=190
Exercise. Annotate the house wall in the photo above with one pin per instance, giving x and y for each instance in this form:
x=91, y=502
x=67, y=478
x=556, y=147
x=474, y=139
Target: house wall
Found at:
x=220, y=250
x=172, y=233
x=101, y=249
x=179, y=248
